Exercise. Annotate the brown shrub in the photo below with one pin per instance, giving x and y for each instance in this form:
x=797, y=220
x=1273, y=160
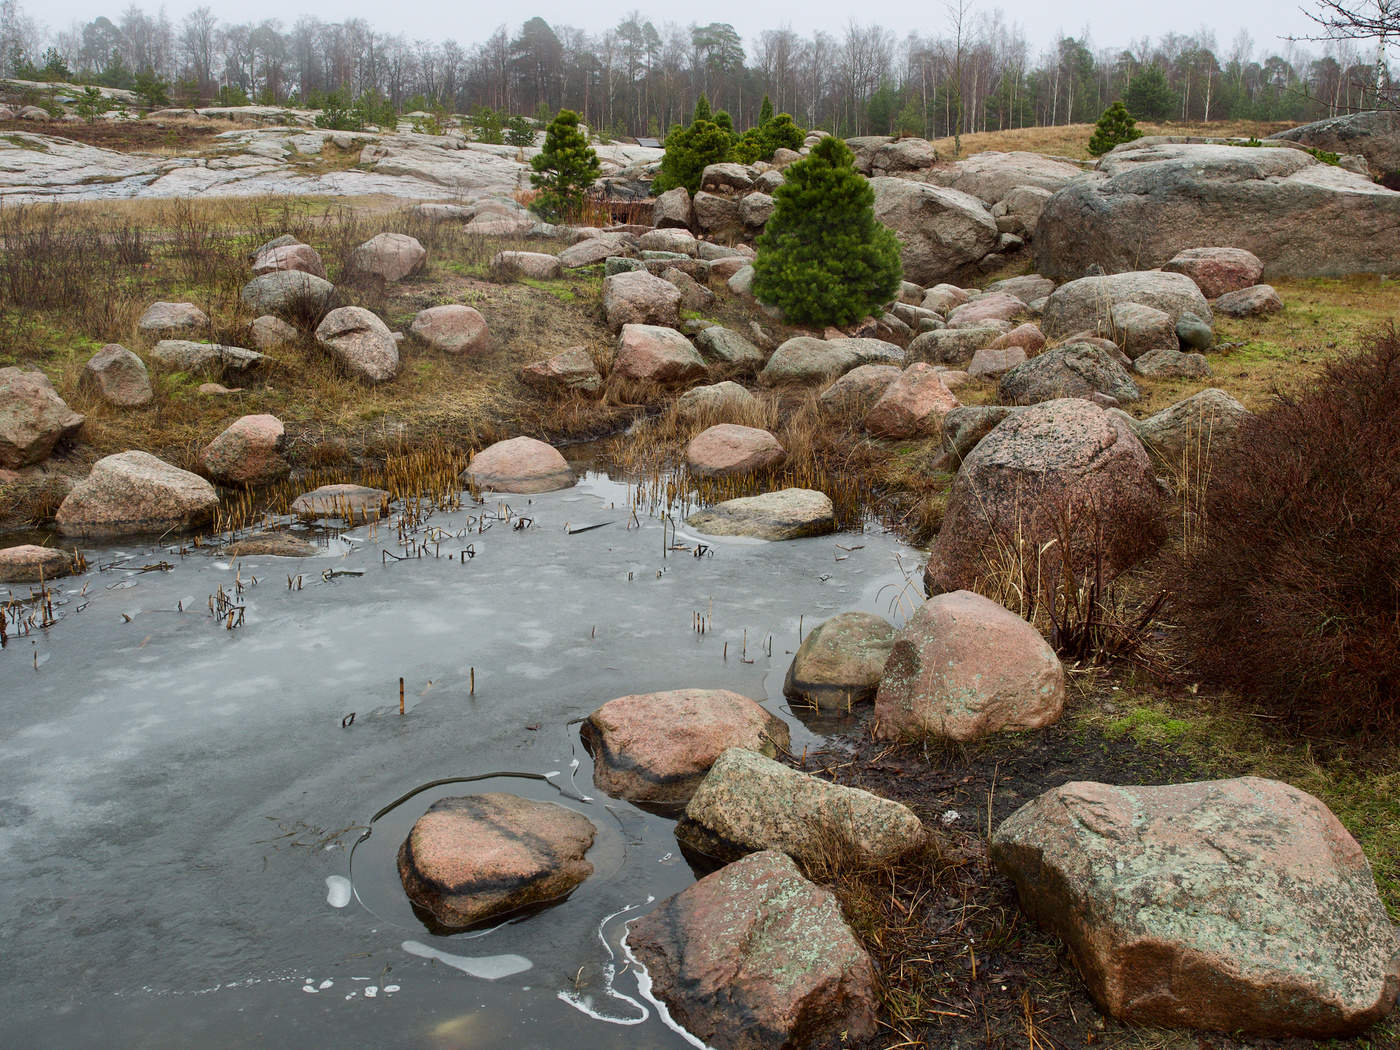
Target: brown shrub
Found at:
x=1292, y=597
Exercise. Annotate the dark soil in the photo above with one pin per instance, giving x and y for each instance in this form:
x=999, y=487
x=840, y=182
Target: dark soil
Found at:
x=133, y=136
x=963, y=966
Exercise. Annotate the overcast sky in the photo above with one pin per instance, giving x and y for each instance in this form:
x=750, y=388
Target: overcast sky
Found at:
x=1108, y=24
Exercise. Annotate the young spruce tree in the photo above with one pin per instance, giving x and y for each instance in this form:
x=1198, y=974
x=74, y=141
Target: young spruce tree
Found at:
x=823, y=258
x=564, y=169
x=1114, y=127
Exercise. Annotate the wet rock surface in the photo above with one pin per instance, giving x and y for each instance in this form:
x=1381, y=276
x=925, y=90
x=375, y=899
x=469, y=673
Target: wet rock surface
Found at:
x=656, y=747
x=471, y=858
x=755, y=956
x=356, y=503
x=840, y=663
x=1238, y=905
x=30, y=563
x=520, y=464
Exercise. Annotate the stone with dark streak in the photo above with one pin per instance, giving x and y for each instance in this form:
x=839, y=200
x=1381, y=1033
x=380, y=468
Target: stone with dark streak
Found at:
x=473, y=857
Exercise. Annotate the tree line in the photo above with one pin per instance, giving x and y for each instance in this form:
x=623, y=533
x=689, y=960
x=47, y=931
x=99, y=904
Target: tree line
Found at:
x=973, y=72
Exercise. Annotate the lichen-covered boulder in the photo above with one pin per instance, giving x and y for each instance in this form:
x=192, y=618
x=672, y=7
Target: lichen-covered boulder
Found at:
x=33, y=418
x=134, y=493
x=839, y=664
x=787, y=514
x=521, y=464
x=388, y=256
x=361, y=343
x=1238, y=905
x=471, y=858
x=1073, y=370
x=728, y=448
x=248, y=452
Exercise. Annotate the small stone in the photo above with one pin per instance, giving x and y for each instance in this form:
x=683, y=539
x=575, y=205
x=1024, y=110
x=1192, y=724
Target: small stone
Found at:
x=1217, y=270
x=272, y=545
x=300, y=257
x=1167, y=363
x=1254, y=301
x=722, y=402
x=268, y=332
x=721, y=344
x=993, y=362
x=1193, y=333
x=539, y=266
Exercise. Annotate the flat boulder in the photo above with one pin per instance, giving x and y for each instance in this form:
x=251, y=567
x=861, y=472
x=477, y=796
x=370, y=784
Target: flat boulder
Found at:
x=655, y=748
x=912, y=406
x=940, y=231
x=754, y=957
x=786, y=514
x=471, y=858
x=360, y=343
x=538, y=266
x=726, y=401
x=389, y=256
x=521, y=464
x=592, y=251
x=682, y=242
x=162, y=320
x=655, y=354
x=963, y=667
x=859, y=389
x=992, y=176
x=884, y=155
x=995, y=361
x=29, y=563
x=1167, y=363
x=806, y=359
x=839, y=664
x=294, y=296
x=748, y=802
x=452, y=328
x=1217, y=270
x=1072, y=370
x=569, y=371
x=638, y=297
x=1063, y=463
x=1027, y=288
x=271, y=544
x=1373, y=134
x=134, y=493
x=205, y=358
x=350, y=503
x=301, y=257
x=1236, y=905
x=1148, y=201
x=1190, y=431
x=726, y=346
x=992, y=306
x=33, y=418
x=1087, y=303
x=1254, y=301
x=248, y=453
x=727, y=449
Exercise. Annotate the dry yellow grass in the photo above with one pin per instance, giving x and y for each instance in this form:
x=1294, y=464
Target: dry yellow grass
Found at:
x=1072, y=140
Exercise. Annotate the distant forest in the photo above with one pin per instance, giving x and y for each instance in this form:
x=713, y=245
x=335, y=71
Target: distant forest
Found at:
x=972, y=71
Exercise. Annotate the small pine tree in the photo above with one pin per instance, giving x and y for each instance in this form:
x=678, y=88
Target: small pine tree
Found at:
x=724, y=121
x=1149, y=96
x=765, y=111
x=781, y=132
x=519, y=132
x=564, y=170
x=823, y=258
x=688, y=151
x=702, y=111
x=1114, y=127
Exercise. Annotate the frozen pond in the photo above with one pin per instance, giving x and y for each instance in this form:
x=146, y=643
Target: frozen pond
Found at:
x=179, y=801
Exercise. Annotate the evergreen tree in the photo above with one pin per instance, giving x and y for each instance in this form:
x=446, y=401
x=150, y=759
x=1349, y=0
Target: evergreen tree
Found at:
x=1114, y=127
x=781, y=132
x=519, y=132
x=1149, y=96
x=823, y=258
x=702, y=110
x=765, y=111
x=724, y=121
x=564, y=169
x=688, y=151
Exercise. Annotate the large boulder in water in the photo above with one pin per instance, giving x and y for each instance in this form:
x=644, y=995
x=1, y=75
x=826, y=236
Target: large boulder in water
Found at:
x=840, y=662
x=132, y=493
x=1145, y=203
x=962, y=668
x=940, y=231
x=1086, y=304
x=657, y=747
x=1063, y=471
x=30, y=563
x=521, y=464
x=33, y=418
x=787, y=514
x=477, y=856
x=1238, y=905
x=352, y=503
x=754, y=957
x=1373, y=134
